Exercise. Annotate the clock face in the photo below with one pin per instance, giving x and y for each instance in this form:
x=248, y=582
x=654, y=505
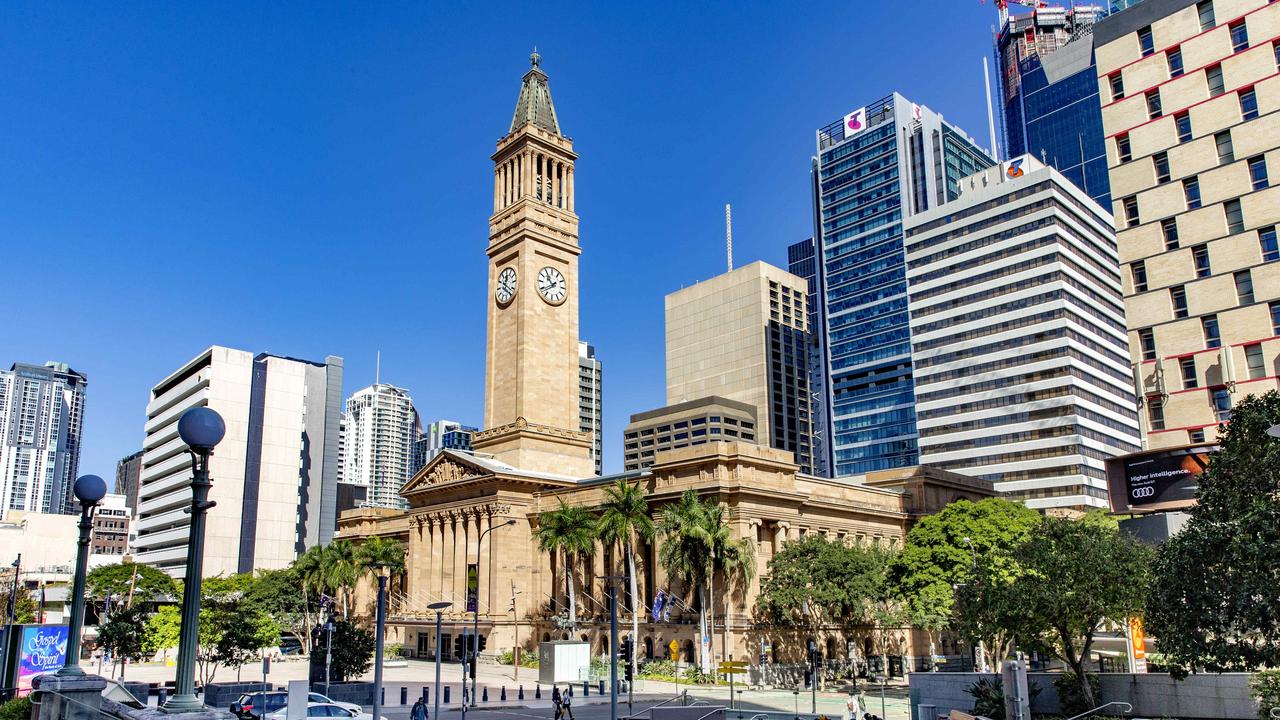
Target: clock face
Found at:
x=551, y=285
x=506, y=286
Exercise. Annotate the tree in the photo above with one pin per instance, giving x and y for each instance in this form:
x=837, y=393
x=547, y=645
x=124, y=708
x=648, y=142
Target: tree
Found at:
x=24, y=607
x=733, y=559
x=1076, y=577
x=123, y=632
x=276, y=593
x=118, y=580
x=352, y=651
x=381, y=552
x=570, y=530
x=936, y=557
x=340, y=569
x=162, y=630
x=1215, y=603
x=244, y=632
x=624, y=520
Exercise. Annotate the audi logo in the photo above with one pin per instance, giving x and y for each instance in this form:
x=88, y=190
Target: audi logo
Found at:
x=1143, y=492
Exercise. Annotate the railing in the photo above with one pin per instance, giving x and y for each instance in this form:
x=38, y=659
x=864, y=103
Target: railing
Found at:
x=1127, y=709
x=683, y=697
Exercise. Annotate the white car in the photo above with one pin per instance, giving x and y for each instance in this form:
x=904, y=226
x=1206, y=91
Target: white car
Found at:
x=344, y=711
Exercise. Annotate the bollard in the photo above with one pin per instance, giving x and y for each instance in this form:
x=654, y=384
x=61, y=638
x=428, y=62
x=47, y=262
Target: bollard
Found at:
x=586, y=688
x=446, y=694
x=382, y=697
x=601, y=687
x=484, y=694
x=520, y=696
x=161, y=696
x=537, y=692
x=404, y=696
x=503, y=696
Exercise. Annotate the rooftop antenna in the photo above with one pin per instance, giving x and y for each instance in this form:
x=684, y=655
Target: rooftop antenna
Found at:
x=728, y=234
x=991, y=118
x=377, y=370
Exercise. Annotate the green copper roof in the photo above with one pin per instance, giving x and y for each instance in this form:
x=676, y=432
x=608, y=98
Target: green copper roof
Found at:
x=534, y=107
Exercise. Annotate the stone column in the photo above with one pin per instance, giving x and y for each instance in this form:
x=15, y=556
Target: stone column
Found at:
x=570, y=194
x=497, y=188
x=484, y=521
x=437, y=557
x=559, y=181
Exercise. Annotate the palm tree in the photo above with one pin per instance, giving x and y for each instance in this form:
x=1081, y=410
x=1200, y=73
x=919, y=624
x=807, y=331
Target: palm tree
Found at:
x=624, y=519
x=734, y=559
x=569, y=529
x=379, y=554
x=340, y=569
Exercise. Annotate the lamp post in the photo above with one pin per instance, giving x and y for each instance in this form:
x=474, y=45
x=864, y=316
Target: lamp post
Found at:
x=89, y=490
x=980, y=661
x=10, y=611
x=475, y=615
x=380, y=625
x=201, y=429
x=439, y=607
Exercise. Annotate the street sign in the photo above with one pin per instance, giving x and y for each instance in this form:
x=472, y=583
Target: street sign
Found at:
x=732, y=667
x=473, y=587
x=673, y=648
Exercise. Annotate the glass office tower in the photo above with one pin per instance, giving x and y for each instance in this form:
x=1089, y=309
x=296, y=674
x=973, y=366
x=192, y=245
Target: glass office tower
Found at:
x=884, y=161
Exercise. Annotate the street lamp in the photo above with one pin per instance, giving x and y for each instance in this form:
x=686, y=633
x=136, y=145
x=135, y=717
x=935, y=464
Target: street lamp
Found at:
x=10, y=611
x=201, y=429
x=89, y=490
x=439, y=607
x=475, y=614
x=380, y=625
x=980, y=661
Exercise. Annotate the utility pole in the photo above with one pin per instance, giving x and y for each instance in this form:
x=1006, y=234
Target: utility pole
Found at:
x=613, y=644
x=515, y=626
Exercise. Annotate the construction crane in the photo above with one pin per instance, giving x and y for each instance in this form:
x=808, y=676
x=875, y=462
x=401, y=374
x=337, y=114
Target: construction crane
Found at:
x=1002, y=7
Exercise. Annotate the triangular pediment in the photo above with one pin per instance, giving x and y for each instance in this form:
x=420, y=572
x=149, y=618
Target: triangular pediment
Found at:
x=446, y=467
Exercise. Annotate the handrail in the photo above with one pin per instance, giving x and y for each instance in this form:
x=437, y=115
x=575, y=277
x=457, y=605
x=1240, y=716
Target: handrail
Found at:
x=684, y=695
x=1127, y=708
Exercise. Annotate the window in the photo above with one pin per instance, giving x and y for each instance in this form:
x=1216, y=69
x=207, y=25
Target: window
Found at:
x=1275, y=50
x=1258, y=172
x=1123, y=151
x=1139, y=269
x=1270, y=246
x=1148, y=43
x=1248, y=104
x=1221, y=404
x=1239, y=36
x=1244, y=287
x=1188, y=366
x=1235, y=216
x=1196, y=436
x=1204, y=9
x=1147, y=339
x=1200, y=254
x=1191, y=190
x=1226, y=151
x=1169, y=226
x=1131, y=211
x=1212, y=335
x=1253, y=357
x=1155, y=413
x=1161, y=161
x=1153, y=104
x=1178, y=296
x=1214, y=75
x=1183, y=122
x=1174, y=57
x=1275, y=318
x=1117, y=86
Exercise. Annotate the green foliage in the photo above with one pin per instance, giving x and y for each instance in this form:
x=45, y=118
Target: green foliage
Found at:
x=1071, y=694
x=817, y=582
x=694, y=674
x=1265, y=688
x=936, y=555
x=277, y=593
x=658, y=669
x=571, y=530
x=1076, y=576
x=392, y=650
x=115, y=580
x=506, y=657
x=232, y=632
x=25, y=608
x=988, y=697
x=16, y=709
x=1214, y=603
x=353, y=649
x=162, y=630
x=377, y=552
x=122, y=634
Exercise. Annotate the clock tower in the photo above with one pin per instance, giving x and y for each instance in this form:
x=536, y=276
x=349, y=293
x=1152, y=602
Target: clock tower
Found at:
x=531, y=356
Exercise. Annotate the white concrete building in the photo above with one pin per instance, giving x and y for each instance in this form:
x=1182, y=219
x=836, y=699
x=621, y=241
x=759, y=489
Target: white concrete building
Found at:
x=41, y=413
x=274, y=474
x=590, y=398
x=381, y=427
x=1018, y=336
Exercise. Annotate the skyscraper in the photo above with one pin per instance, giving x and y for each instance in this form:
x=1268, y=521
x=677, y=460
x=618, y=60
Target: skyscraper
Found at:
x=590, y=397
x=1190, y=95
x=743, y=335
x=437, y=436
x=275, y=472
x=41, y=416
x=802, y=261
x=1049, y=93
x=381, y=427
x=128, y=471
x=880, y=163
x=1018, y=339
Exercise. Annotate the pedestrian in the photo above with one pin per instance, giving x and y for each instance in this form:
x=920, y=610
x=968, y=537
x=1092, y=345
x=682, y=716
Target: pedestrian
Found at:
x=419, y=711
x=568, y=704
x=854, y=705
x=557, y=702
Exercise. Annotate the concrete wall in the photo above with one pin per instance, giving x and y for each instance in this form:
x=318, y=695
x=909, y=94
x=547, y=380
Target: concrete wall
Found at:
x=1151, y=694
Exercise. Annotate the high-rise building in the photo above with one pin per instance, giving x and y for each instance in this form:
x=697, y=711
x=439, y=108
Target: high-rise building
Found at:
x=274, y=473
x=128, y=471
x=802, y=261
x=877, y=165
x=437, y=436
x=41, y=416
x=112, y=521
x=1018, y=337
x=590, y=397
x=1049, y=92
x=696, y=422
x=743, y=335
x=342, y=448
x=381, y=427
x=1191, y=95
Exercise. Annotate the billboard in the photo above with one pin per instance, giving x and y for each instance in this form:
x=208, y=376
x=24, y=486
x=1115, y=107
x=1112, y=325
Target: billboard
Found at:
x=473, y=587
x=1157, y=480
x=855, y=122
x=43, y=650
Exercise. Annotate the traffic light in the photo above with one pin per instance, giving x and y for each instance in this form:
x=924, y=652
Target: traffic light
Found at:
x=625, y=653
x=459, y=648
x=471, y=667
x=483, y=641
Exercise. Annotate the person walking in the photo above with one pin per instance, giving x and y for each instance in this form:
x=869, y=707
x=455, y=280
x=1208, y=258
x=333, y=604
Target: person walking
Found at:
x=557, y=702
x=854, y=705
x=419, y=710
x=568, y=704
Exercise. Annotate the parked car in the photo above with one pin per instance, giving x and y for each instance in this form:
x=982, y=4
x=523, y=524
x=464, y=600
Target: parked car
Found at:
x=327, y=710
x=255, y=706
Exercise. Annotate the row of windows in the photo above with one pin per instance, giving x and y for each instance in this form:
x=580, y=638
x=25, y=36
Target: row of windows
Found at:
x=1038, y=356
x=1258, y=178
x=1026, y=416
x=1042, y=473
x=1030, y=435
x=1029, y=396
x=1001, y=347
x=1219, y=401
x=1021, y=456
x=1111, y=299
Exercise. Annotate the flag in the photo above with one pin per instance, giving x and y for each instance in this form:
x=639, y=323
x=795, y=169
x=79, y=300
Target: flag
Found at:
x=666, y=611
x=658, y=601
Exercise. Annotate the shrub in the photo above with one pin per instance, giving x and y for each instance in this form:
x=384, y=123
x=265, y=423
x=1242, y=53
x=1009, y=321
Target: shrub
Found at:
x=1265, y=688
x=693, y=674
x=393, y=650
x=1068, y=687
x=16, y=709
x=658, y=670
x=988, y=697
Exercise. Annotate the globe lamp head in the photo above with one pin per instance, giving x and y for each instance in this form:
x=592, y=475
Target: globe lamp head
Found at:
x=89, y=489
x=201, y=428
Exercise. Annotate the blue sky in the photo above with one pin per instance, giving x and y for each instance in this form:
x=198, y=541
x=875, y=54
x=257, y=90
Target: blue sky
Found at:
x=313, y=178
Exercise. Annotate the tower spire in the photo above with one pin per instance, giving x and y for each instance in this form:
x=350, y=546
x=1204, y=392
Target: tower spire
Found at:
x=534, y=106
